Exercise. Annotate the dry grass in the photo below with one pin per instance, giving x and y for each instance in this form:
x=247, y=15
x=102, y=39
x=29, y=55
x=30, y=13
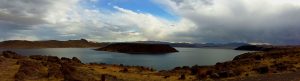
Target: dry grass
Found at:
x=8, y=69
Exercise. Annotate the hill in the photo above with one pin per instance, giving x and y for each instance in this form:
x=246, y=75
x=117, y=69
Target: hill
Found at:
x=50, y=44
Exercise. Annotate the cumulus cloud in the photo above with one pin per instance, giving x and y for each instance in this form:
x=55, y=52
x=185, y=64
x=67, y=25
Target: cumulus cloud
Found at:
x=274, y=21
x=17, y=16
x=61, y=19
x=147, y=26
x=122, y=25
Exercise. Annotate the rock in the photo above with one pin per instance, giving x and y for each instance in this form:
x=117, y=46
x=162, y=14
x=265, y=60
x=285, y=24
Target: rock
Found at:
x=54, y=59
x=194, y=70
x=125, y=70
x=167, y=76
x=262, y=69
x=283, y=66
x=30, y=70
x=65, y=59
x=2, y=59
x=11, y=54
x=73, y=73
x=249, y=56
x=182, y=77
x=68, y=70
x=186, y=67
x=177, y=68
x=38, y=57
x=106, y=77
x=215, y=75
x=75, y=59
x=54, y=70
x=103, y=78
x=258, y=57
x=225, y=74
x=138, y=48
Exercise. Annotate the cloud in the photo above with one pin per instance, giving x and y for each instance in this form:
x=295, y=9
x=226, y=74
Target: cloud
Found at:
x=18, y=16
x=121, y=25
x=31, y=12
x=61, y=19
x=274, y=21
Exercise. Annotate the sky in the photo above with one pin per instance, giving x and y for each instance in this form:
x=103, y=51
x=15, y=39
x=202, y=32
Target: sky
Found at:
x=200, y=21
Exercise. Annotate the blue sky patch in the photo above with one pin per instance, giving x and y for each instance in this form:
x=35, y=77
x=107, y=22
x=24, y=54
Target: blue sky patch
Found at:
x=141, y=6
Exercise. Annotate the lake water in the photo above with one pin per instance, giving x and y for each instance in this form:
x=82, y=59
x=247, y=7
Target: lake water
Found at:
x=186, y=56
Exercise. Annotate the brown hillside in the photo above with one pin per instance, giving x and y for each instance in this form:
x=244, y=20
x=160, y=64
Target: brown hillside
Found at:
x=49, y=44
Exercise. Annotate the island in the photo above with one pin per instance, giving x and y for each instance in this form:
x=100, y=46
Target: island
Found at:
x=138, y=48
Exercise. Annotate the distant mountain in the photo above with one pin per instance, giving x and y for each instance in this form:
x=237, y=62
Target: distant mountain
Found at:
x=82, y=43
x=222, y=45
x=197, y=45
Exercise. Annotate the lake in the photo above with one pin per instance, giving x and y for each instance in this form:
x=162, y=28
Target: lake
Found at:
x=186, y=56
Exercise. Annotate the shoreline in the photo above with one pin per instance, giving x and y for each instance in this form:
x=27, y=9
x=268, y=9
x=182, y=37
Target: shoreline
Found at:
x=156, y=66
x=254, y=65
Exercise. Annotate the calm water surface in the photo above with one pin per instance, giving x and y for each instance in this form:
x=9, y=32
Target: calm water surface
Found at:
x=186, y=56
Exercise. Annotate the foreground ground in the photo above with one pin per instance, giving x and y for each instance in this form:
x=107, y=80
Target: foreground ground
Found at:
x=271, y=65
x=49, y=68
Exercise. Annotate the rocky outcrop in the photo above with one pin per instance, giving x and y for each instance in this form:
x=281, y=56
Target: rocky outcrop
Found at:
x=30, y=70
x=138, y=48
x=264, y=47
x=10, y=54
x=255, y=48
x=40, y=68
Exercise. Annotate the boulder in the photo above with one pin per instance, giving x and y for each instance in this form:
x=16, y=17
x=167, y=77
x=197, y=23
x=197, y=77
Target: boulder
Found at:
x=30, y=70
x=11, y=54
x=182, y=77
x=262, y=69
x=75, y=59
x=65, y=59
x=67, y=71
x=2, y=59
x=54, y=59
x=38, y=57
